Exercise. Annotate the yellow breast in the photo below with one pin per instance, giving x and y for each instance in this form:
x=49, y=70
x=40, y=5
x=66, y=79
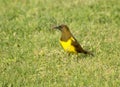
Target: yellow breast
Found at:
x=67, y=45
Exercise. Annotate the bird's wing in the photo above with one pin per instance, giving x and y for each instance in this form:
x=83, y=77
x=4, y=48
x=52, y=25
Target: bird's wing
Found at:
x=77, y=46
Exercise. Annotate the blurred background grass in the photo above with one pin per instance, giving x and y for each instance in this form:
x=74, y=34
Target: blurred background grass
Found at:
x=30, y=53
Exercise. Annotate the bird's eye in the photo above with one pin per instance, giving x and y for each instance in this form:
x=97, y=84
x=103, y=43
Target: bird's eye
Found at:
x=60, y=27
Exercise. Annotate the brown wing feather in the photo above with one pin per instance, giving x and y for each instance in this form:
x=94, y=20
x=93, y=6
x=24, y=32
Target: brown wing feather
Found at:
x=78, y=47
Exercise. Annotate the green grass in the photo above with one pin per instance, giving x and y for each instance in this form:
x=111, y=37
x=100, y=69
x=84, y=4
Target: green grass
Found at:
x=30, y=53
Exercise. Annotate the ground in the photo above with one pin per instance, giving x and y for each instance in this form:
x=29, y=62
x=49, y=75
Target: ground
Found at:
x=30, y=53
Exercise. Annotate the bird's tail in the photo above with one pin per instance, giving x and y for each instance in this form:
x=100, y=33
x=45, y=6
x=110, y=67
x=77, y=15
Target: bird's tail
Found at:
x=87, y=52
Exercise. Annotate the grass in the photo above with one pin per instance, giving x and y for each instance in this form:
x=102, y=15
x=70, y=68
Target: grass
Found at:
x=30, y=53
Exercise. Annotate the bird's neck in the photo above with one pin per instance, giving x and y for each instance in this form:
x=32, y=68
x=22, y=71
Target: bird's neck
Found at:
x=65, y=36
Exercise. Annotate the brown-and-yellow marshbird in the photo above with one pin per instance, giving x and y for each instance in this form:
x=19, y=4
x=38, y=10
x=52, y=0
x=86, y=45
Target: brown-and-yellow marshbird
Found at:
x=68, y=41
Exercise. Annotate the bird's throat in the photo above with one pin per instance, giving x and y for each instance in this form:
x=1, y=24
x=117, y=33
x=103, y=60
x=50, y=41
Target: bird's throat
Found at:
x=65, y=36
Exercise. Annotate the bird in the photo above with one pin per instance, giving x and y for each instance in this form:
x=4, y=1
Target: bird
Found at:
x=69, y=42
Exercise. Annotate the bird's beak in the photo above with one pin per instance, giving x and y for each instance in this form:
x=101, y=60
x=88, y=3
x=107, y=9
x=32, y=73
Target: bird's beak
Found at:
x=57, y=27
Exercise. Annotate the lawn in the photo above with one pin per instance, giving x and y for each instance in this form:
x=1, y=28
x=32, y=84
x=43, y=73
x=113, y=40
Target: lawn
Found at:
x=30, y=53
